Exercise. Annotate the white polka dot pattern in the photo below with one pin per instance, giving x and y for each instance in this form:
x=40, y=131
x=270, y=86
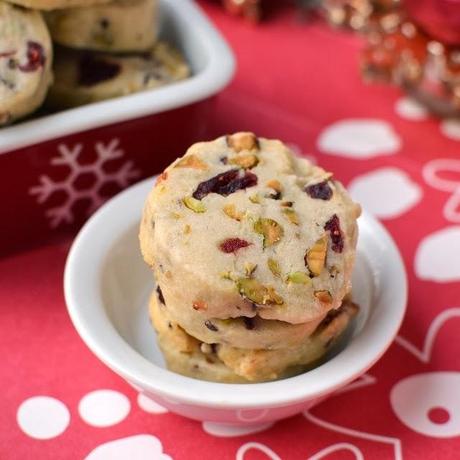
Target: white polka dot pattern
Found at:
x=43, y=417
x=359, y=139
x=103, y=408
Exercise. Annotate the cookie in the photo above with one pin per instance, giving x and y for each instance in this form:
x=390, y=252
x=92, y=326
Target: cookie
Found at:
x=263, y=365
x=55, y=4
x=243, y=332
x=25, y=62
x=85, y=77
x=119, y=26
x=188, y=356
x=242, y=227
x=183, y=353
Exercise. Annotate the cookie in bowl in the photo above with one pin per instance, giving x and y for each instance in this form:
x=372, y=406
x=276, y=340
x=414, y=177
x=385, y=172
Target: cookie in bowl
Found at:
x=253, y=250
x=267, y=334
x=250, y=229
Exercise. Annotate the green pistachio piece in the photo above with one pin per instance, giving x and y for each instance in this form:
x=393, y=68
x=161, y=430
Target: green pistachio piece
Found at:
x=255, y=198
x=298, y=278
x=291, y=216
x=315, y=258
x=245, y=161
x=270, y=229
x=194, y=204
x=274, y=267
x=253, y=290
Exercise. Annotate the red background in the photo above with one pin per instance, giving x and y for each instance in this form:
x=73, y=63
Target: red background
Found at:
x=294, y=78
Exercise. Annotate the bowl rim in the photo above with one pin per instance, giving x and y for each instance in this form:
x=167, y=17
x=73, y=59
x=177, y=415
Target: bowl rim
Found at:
x=86, y=309
x=214, y=77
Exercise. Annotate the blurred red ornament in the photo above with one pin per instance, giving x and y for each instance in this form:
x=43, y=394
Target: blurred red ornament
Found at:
x=356, y=14
x=438, y=18
x=396, y=50
x=400, y=51
x=250, y=9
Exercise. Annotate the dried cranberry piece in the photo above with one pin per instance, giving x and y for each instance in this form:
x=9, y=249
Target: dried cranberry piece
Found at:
x=199, y=305
x=320, y=191
x=215, y=183
x=232, y=245
x=160, y=295
x=248, y=179
x=93, y=70
x=210, y=326
x=249, y=323
x=333, y=226
x=225, y=183
x=35, y=57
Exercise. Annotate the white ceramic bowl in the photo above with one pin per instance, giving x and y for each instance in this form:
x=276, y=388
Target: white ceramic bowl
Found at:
x=107, y=286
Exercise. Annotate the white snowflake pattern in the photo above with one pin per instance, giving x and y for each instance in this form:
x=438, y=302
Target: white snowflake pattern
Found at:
x=68, y=156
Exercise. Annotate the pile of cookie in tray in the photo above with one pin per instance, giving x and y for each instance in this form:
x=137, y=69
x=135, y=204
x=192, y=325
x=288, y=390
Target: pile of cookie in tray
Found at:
x=59, y=54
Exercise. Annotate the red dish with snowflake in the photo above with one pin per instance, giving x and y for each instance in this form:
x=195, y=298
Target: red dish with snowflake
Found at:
x=57, y=169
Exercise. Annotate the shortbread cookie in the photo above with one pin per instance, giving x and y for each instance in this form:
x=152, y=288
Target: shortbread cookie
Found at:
x=218, y=362
x=242, y=332
x=262, y=365
x=85, y=77
x=25, y=61
x=119, y=26
x=184, y=354
x=55, y=4
x=242, y=227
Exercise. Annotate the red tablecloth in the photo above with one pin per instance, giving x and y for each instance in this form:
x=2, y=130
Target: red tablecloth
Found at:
x=300, y=82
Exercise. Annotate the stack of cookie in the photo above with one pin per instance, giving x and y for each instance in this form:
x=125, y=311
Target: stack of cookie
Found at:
x=252, y=249
x=104, y=49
